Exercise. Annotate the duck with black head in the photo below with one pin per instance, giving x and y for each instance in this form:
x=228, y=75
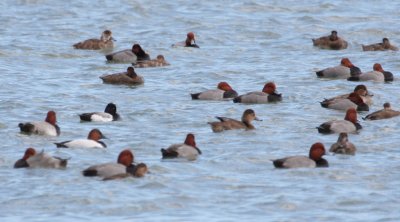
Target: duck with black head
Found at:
x=134, y=55
x=109, y=114
x=130, y=77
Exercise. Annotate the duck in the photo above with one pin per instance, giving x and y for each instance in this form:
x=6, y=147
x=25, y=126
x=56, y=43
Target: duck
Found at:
x=354, y=100
x=360, y=90
x=40, y=160
x=158, y=62
x=348, y=125
x=48, y=127
x=186, y=150
x=345, y=70
x=383, y=46
x=134, y=55
x=267, y=95
x=189, y=42
x=376, y=75
x=332, y=41
x=109, y=114
x=343, y=145
x=92, y=141
x=226, y=123
x=124, y=167
x=388, y=76
x=223, y=92
x=385, y=113
x=125, y=78
x=105, y=42
x=313, y=160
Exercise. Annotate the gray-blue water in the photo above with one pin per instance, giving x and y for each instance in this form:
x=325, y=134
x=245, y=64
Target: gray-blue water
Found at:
x=245, y=43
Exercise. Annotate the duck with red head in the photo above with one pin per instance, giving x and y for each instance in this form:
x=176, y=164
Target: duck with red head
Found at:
x=187, y=150
x=48, y=127
x=314, y=159
x=134, y=55
x=383, y=46
x=130, y=77
x=345, y=70
x=385, y=113
x=189, y=42
x=332, y=41
x=348, y=125
x=105, y=42
x=158, y=62
x=223, y=92
x=354, y=100
x=361, y=90
x=92, y=141
x=376, y=75
x=267, y=95
x=226, y=123
x=343, y=145
x=39, y=160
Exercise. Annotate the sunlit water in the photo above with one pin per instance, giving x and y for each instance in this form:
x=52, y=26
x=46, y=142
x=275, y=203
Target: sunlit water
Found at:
x=245, y=43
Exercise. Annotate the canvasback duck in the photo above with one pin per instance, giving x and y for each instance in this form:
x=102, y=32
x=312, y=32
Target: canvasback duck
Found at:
x=109, y=114
x=125, y=78
x=92, y=141
x=123, y=168
x=40, y=160
x=223, y=92
x=345, y=70
x=348, y=125
x=158, y=62
x=314, y=159
x=360, y=90
x=187, y=150
x=385, y=113
x=230, y=124
x=332, y=41
x=189, y=42
x=134, y=55
x=48, y=128
x=383, y=46
x=105, y=42
x=267, y=95
x=343, y=145
x=376, y=75
x=354, y=100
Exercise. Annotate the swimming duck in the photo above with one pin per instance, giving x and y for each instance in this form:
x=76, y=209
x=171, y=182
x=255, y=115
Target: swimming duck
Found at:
x=187, y=150
x=92, y=141
x=158, y=62
x=43, y=160
x=343, y=145
x=383, y=46
x=48, y=127
x=361, y=90
x=354, y=100
x=105, y=42
x=267, y=95
x=127, y=78
x=123, y=168
x=230, y=124
x=385, y=113
x=348, y=125
x=332, y=41
x=342, y=71
x=314, y=159
x=189, y=42
x=224, y=91
x=134, y=55
x=109, y=114
x=376, y=75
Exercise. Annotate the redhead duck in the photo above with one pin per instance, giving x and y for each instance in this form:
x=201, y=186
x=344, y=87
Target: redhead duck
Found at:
x=158, y=62
x=230, y=124
x=42, y=160
x=348, y=125
x=134, y=55
x=385, y=113
x=332, y=41
x=376, y=75
x=267, y=95
x=223, y=92
x=189, y=42
x=314, y=159
x=92, y=141
x=48, y=127
x=127, y=78
x=343, y=145
x=342, y=71
x=354, y=100
x=360, y=90
x=105, y=42
x=109, y=114
x=187, y=150
x=383, y=46
x=123, y=168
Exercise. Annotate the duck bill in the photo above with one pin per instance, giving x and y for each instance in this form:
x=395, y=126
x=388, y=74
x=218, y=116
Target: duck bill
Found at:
x=258, y=119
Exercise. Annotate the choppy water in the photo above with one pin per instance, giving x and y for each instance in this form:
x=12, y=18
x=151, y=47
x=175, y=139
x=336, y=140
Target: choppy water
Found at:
x=245, y=43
